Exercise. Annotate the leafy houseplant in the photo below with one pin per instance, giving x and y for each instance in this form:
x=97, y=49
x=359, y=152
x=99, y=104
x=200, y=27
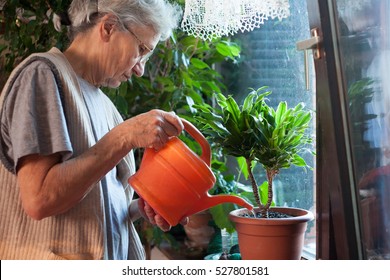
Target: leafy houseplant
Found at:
x=259, y=134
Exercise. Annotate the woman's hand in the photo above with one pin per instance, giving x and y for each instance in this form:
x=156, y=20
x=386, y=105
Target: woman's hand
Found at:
x=152, y=129
x=148, y=213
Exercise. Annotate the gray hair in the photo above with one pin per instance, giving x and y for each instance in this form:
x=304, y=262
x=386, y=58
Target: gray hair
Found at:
x=161, y=15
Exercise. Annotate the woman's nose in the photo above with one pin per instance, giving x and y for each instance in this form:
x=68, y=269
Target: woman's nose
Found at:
x=139, y=69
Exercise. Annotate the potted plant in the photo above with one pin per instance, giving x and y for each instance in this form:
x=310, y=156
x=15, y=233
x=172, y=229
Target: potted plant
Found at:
x=275, y=139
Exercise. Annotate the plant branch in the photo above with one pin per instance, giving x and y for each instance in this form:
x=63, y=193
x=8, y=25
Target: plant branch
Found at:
x=254, y=184
x=270, y=178
x=194, y=48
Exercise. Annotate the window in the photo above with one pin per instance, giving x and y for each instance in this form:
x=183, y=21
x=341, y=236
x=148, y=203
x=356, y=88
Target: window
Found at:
x=364, y=49
x=270, y=58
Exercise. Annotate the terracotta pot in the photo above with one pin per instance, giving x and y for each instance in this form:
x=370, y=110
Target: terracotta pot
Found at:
x=198, y=231
x=271, y=239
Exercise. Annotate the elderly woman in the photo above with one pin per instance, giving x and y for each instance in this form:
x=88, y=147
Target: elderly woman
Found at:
x=66, y=153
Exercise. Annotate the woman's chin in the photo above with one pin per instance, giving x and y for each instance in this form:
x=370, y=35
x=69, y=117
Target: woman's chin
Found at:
x=113, y=83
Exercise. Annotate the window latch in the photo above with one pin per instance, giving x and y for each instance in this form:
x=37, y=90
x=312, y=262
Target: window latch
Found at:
x=313, y=44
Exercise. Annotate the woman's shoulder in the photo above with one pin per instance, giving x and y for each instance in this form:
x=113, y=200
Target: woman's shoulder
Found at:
x=36, y=70
x=30, y=66
x=30, y=79
x=37, y=65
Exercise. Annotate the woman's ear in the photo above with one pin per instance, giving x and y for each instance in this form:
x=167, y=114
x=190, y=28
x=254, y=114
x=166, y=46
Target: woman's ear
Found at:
x=107, y=26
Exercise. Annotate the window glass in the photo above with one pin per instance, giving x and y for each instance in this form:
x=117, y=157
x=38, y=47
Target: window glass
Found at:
x=364, y=46
x=270, y=58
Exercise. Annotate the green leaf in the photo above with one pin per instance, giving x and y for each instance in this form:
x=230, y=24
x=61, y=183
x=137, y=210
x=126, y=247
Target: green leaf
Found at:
x=220, y=215
x=224, y=50
x=302, y=119
x=233, y=109
x=215, y=244
x=235, y=50
x=248, y=101
x=299, y=161
x=187, y=80
x=2, y=48
x=199, y=63
x=209, y=86
x=263, y=191
x=280, y=111
x=121, y=103
x=241, y=161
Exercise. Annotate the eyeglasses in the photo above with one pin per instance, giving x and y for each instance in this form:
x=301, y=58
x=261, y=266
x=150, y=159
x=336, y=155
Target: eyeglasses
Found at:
x=144, y=51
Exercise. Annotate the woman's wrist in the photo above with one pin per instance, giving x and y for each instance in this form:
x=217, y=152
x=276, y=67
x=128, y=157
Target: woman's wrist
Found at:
x=134, y=211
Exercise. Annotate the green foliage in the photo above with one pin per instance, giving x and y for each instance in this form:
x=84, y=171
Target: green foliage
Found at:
x=257, y=132
x=360, y=93
x=179, y=74
x=227, y=185
x=219, y=214
x=28, y=28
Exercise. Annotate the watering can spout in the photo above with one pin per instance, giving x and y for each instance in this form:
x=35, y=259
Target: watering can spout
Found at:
x=213, y=200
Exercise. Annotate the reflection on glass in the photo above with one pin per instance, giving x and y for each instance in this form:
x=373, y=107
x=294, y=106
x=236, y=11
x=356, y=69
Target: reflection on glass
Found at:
x=364, y=45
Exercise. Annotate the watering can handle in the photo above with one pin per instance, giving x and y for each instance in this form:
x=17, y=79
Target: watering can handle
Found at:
x=198, y=137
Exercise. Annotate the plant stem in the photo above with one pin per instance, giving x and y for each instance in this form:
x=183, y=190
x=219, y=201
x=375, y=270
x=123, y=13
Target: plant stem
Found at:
x=270, y=177
x=254, y=184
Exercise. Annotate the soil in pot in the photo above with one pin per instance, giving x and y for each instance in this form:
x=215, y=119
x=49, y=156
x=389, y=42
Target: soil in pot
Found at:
x=270, y=215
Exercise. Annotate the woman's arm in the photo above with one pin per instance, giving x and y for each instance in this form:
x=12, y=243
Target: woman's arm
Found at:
x=50, y=187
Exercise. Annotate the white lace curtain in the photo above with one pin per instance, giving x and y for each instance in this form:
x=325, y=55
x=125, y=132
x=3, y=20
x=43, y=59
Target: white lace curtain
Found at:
x=208, y=19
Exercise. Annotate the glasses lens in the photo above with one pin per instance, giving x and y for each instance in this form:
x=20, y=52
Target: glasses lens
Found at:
x=146, y=57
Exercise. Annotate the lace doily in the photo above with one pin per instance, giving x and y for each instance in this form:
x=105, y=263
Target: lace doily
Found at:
x=208, y=19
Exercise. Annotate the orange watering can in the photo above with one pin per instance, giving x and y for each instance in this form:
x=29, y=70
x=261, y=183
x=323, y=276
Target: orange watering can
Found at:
x=175, y=181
